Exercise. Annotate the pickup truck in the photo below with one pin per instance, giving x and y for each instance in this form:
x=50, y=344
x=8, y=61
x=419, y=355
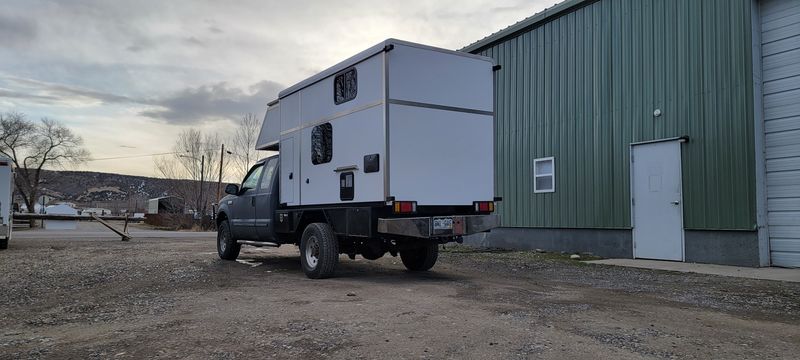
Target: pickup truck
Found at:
x=390, y=151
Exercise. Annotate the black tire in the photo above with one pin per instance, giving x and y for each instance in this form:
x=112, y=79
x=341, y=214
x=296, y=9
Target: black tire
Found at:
x=3, y=244
x=420, y=258
x=319, y=251
x=227, y=247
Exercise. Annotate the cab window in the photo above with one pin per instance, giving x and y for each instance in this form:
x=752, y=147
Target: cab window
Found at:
x=266, y=180
x=251, y=180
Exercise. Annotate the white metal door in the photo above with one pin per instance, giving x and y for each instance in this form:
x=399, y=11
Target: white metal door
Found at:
x=288, y=177
x=780, y=51
x=657, y=204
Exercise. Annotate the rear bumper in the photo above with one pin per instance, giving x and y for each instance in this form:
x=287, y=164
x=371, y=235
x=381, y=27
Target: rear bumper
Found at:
x=422, y=227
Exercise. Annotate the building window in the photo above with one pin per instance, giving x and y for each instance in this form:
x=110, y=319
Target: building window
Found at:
x=322, y=144
x=345, y=86
x=544, y=175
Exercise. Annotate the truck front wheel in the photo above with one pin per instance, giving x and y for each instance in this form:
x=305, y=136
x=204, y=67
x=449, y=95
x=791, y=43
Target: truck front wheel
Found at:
x=421, y=258
x=319, y=251
x=227, y=247
x=4, y=243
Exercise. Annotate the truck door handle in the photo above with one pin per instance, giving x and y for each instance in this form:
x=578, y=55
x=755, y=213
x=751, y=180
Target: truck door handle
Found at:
x=253, y=200
x=676, y=202
x=291, y=175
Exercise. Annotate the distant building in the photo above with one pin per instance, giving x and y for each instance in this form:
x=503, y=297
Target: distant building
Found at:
x=96, y=211
x=166, y=205
x=61, y=209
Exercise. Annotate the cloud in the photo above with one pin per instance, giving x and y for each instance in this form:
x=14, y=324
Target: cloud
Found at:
x=16, y=31
x=6, y=93
x=141, y=44
x=42, y=92
x=213, y=102
x=191, y=40
x=186, y=107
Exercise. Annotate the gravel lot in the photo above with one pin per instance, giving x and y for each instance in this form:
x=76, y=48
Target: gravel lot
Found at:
x=171, y=297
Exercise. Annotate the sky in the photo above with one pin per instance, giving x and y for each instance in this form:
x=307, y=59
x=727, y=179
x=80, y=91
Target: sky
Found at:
x=128, y=76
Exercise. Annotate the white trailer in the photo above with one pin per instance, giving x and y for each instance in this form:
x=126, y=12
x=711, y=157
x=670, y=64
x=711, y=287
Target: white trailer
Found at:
x=6, y=200
x=390, y=151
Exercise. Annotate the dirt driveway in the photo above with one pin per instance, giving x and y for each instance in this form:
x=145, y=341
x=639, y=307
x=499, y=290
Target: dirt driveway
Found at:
x=172, y=298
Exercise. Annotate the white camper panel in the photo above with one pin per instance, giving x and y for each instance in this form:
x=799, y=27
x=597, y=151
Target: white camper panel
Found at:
x=357, y=131
x=354, y=136
x=271, y=129
x=317, y=103
x=425, y=75
x=441, y=126
x=440, y=157
x=290, y=113
x=290, y=179
x=289, y=148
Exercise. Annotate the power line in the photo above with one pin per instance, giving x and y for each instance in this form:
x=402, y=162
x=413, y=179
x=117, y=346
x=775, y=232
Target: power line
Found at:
x=138, y=156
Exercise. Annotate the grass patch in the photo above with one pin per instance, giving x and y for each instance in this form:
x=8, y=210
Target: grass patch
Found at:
x=522, y=256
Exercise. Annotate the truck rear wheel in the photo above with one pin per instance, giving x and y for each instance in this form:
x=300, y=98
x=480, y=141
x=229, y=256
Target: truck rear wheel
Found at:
x=421, y=258
x=319, y=251
x=227, y=247
x=3, y=243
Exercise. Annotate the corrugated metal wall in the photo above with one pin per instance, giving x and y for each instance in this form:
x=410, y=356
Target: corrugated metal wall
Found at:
x=584, y=85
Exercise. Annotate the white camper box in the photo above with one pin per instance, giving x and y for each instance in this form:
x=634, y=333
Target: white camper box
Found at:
x=408, y=122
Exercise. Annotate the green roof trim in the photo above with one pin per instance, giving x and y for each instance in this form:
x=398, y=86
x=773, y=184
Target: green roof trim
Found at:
x=534, y=20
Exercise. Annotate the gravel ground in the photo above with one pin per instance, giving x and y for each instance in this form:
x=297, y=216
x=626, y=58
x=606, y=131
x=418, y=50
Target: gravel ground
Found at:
x=172, y=297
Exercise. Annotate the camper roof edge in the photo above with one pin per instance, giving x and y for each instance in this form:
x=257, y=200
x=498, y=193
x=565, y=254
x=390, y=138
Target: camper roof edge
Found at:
x=366, y=54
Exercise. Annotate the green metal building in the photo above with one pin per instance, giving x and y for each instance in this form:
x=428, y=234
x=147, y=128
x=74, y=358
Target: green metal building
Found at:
x=666, y=129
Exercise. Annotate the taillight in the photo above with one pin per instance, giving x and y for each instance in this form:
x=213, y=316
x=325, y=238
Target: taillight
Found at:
x=484, y=206
x=405, y=207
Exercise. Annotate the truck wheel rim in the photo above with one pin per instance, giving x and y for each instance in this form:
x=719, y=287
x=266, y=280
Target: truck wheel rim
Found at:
x=312, y=252
x=222, y=242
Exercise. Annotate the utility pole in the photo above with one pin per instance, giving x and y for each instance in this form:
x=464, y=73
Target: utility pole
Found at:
x=202, y=171
x=219, y=181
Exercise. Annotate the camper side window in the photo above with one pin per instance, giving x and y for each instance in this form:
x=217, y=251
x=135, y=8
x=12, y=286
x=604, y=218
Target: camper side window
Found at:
x=345, y=86
x=322, y=144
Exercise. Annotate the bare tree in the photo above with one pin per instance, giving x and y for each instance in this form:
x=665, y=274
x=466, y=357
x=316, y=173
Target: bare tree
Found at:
x=243, y=145
x=34, y=146
x=196, y=158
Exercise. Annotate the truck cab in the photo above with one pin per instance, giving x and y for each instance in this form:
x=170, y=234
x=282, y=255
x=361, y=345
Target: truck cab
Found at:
x=248, y=209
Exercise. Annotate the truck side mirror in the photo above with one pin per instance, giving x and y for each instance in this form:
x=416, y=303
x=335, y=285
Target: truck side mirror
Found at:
x=232, y=189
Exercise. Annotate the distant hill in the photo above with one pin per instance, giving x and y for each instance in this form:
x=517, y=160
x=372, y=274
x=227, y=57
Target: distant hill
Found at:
x=88, y=186
x=115, y=191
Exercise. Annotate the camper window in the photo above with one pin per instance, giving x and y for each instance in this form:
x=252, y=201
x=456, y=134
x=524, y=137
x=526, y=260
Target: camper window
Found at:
x=345, y=86
x=322, y=144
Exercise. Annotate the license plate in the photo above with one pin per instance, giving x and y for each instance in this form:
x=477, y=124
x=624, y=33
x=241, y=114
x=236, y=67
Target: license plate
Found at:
x=442, y=223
